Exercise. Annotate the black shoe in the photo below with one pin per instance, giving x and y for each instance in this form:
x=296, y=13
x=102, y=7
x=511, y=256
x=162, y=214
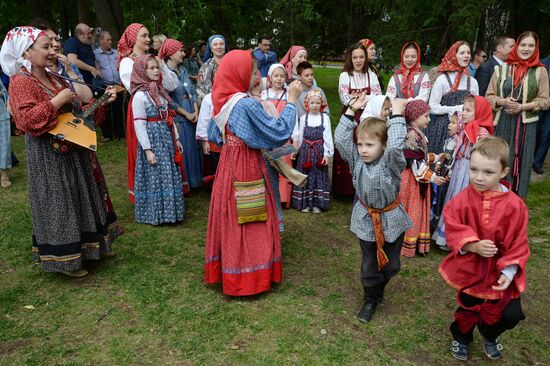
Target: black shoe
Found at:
x=460, y=351
x=538, y=170
x=367, y=311
x=492, y=349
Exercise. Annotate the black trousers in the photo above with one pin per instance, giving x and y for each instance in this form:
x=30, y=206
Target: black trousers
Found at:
x=113, y=127
x=511, y=316
x=370, y=275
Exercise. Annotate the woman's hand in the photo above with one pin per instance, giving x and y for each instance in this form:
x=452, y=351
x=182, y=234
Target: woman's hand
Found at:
x=511, y=106
x=325, y=160
x=63, y=97
x=111, y=91
x=151, y=158
x=179, y=146
x=206, y=148
x=294, y=90
x=438, y=180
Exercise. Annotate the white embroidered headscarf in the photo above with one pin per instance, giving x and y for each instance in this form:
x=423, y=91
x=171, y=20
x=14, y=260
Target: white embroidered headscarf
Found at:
x=17, y=41
x=374, y=107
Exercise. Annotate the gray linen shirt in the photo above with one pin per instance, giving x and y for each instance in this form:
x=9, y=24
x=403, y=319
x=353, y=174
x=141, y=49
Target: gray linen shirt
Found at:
x=376, y=183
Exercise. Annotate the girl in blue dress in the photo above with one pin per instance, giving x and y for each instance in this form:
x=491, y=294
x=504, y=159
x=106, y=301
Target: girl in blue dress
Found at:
x=186, y=108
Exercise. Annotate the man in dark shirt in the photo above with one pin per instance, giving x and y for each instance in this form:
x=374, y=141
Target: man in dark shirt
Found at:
x=503, y=46
x=79, y=51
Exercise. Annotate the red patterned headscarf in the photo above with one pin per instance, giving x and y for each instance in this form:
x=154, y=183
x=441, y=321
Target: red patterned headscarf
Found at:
x=287, y=59
x=522, y=66
x=483, y=118
x=139, y=81
x=169, y=47
x=450, y=63
x=407, y=83
x=366, y=42
x=127, y=41
x=414, y=109
x=233, y=76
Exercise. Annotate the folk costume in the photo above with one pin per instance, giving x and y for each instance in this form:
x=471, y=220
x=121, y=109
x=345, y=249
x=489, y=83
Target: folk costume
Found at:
x=447, y=96
x=69, y=217
x=246, y=256
x=527, y=81
x=480, y=127
x=158, y=188
x=126, y=58
x=377, y=218
x=415, y=193
x=182, y=97
x=350, y=83
x=500, y=216
x=279, y=100
x=314, y=136
x=410, y=83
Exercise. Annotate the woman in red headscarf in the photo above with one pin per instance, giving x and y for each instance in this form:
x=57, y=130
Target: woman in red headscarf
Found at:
x=448, y=92
x=135, y=42
x=409, y=81
x=243, y=244
x=517, y=91
x=477, y=117
x=291, y=59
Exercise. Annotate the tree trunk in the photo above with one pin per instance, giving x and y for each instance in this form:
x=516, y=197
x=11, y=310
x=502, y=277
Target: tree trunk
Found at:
x=291, y=21
x=83, y=11
x=109, y=17
x=37, y=8
x=221, y=21
x=497, y=19
x=64, y=19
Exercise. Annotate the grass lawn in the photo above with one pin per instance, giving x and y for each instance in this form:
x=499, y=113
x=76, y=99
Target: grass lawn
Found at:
x=149, y=305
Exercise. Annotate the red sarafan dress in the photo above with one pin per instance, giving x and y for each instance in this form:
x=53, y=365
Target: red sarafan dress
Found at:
x=246, y=258
x=491, y=215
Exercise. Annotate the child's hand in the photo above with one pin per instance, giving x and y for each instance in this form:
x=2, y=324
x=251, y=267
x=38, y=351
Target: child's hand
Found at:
x=293, y=156
x=179, y=146
x=503, y=283
x=398, y=106
x=151, y=158
x=294, y=90
x=325, y=160
x=441, y=157
x=485, y=248
x=439, y=180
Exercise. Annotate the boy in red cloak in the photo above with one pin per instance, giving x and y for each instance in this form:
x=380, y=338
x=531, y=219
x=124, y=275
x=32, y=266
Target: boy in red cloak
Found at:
x=487, y=232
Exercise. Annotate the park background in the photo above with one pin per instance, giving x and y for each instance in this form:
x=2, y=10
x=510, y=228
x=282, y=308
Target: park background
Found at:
x=149, y=305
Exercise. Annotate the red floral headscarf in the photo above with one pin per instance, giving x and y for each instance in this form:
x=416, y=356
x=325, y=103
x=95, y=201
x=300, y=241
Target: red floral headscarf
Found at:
x=407, y=83
x=127, y=41
x=139, y=80
x=450, y=63
x=169, y=47
x=233, y=76
x=522, y=66
x=483, y=118
x=287, y=59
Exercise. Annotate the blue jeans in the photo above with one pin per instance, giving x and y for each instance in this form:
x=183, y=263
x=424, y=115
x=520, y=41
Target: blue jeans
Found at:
x=543, y=139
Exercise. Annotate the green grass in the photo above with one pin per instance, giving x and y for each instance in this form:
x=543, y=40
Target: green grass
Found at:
x=149, y=306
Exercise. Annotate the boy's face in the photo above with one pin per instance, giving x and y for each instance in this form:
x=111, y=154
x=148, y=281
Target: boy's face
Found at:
x=485, y=173
x=369, y=148
x=306, y=77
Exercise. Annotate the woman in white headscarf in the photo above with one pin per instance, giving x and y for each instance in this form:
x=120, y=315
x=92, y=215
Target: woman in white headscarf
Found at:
x=69, y=221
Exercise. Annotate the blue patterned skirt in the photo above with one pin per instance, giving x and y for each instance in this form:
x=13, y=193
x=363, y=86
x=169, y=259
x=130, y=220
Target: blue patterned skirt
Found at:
x=158, y=188
x=5, y=144
x=192, y=152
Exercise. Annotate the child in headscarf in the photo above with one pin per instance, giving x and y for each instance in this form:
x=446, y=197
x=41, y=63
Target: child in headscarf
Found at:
x=159, y=165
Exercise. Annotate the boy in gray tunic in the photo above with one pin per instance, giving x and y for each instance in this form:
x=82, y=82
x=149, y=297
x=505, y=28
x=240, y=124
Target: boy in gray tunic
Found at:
x=379, y=221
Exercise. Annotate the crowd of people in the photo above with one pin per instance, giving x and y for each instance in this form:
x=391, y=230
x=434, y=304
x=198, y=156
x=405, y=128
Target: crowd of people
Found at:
x=440, y=157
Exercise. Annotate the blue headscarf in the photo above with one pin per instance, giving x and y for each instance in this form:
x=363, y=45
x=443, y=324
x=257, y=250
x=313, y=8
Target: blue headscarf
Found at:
x=208, y=54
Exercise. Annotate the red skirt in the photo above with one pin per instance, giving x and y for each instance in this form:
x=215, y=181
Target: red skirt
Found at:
x=245, y=258
x=418, y=209
x=342, y=182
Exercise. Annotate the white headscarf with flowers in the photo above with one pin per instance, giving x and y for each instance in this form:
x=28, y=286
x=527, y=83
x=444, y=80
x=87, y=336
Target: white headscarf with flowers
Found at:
x=17, y=41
